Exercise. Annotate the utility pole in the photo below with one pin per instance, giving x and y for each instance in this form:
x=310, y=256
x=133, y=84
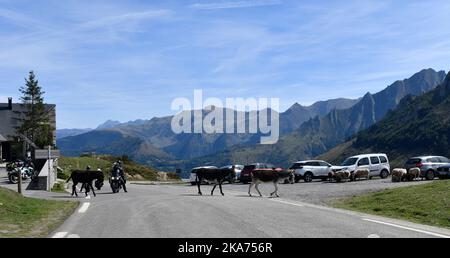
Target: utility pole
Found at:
x=19, y=170
x=49, y=168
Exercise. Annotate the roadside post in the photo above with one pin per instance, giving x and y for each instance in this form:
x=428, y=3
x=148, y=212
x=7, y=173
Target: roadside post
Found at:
x=19, y=184
x=49, y=168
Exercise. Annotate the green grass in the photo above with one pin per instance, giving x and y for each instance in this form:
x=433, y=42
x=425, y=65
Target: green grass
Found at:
x=426, y=204
x=59, y=187
x=135, y=171
x=28, y=217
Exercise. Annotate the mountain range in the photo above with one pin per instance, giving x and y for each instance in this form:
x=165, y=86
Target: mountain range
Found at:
x=306, y=132
x=419, y=126
x=157, y=134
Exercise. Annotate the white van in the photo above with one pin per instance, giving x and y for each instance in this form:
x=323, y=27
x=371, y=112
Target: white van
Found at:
x=378, y=164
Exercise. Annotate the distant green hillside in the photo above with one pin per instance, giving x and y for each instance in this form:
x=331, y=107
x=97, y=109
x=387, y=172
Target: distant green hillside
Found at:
x=419, y=126
x=104, y=162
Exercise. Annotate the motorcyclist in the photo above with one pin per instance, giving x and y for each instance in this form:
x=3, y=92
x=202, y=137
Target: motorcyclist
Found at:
x=29, y=162
x=117, y=166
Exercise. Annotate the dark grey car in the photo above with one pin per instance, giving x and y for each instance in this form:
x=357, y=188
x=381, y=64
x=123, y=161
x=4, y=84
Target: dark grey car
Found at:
x=444, y=172
x=428, y=165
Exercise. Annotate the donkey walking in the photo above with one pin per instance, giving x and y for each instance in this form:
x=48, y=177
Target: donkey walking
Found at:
x=269, y=175
x=213, y=175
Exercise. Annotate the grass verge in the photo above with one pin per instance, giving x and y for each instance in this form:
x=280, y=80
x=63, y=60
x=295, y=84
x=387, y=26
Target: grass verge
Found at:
x=29, y=217
x=426, y=204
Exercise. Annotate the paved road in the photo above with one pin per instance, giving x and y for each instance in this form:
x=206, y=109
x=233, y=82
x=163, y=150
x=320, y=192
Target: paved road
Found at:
x=177, y=211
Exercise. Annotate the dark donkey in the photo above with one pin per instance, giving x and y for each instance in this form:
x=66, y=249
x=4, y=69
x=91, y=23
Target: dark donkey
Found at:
x=86, y=178
x=269, y=175
x=214, y=175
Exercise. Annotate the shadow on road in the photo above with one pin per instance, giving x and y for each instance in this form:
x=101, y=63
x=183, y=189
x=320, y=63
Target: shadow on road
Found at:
x=246, y=196
x=204, y=195
x=104, y=193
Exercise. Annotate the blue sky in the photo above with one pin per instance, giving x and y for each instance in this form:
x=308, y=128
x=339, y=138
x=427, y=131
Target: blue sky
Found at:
x=127, y=60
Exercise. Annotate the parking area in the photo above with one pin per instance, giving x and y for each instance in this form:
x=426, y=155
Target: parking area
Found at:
x=318, y=192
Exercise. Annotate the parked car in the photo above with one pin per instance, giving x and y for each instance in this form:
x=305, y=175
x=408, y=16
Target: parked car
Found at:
x=378, y=164
x=237, y=171
x=311, y=169
x=193, y=176
x=246, y=173
x=428, y=165
x=444, y=172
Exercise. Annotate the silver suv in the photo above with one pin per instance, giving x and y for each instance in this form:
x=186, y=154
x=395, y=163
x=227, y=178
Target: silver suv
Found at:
x=311, y=169
x=428, y=165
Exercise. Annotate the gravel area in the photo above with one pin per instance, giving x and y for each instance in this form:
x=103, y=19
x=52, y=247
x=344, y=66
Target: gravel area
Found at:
x=318, y=192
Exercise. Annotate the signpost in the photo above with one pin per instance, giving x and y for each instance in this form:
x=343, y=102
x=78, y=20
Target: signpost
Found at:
x=49, y=155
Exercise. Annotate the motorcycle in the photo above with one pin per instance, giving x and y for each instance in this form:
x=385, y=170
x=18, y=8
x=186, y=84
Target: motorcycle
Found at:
x=18, y=168
x=115, y=181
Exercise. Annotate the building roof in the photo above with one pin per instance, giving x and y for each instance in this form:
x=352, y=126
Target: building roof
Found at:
x=9, y=123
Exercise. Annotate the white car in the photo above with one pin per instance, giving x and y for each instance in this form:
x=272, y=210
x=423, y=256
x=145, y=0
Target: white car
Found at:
x=378, y=164
x=193, y=176
x=311, y=169
x=237, y=171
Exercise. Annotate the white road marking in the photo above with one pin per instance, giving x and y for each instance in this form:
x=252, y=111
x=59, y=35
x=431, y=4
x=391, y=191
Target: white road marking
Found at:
x=84, y=207
x=59, y=235
x=73, y=236
x=290, y=203
x=373, y=236
x=408, y=228
x=88, y=197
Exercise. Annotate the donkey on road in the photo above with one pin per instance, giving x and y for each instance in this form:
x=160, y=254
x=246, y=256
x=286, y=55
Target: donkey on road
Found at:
x=213, y=175
x=269, y=175
x=86, y=178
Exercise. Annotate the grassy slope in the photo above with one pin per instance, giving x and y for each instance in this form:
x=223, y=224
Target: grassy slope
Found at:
x=27, y=217
x=427, y=204
x=105, y=163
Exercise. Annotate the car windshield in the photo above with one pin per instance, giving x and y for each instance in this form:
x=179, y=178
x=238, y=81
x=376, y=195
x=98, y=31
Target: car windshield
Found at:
x=444, y=160
x=413, y=161
x=349, y=162
x=297, y=165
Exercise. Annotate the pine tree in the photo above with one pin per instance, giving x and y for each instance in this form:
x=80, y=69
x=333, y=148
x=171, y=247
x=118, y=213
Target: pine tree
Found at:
x=34, y=119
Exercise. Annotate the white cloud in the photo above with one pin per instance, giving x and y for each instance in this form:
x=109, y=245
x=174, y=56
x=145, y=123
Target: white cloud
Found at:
x=235, y=4
x=122, y=19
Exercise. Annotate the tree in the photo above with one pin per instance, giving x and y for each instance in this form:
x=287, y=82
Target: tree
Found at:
x=33, y=120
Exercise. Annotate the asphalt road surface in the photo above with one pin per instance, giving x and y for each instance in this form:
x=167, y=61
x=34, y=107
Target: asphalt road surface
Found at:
x=177, y=211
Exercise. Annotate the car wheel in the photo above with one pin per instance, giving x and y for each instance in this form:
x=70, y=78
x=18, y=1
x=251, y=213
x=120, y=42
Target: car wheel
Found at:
x=430, y=175
x=384, y=174
x=308, y=177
